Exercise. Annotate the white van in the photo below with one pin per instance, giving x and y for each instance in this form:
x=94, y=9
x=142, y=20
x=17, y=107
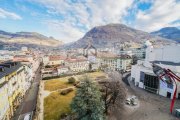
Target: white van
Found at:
x=28, y=116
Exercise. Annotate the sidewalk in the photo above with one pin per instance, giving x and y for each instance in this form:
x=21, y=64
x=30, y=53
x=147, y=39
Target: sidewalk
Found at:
x=28, y=104
x=42, y=95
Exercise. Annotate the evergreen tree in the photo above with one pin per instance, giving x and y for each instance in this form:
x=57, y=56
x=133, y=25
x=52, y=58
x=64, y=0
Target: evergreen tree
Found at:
x=87, y=103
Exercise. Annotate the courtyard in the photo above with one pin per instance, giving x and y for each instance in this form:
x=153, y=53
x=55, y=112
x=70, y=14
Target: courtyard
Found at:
x=55, y=105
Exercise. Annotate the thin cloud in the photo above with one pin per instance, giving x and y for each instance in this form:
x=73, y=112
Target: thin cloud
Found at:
x=64, y=30
x=79, y=17
x=69, y=21
x=161, y=14
x=7, y=14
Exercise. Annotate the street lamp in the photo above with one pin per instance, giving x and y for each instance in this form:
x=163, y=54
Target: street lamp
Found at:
x=166, y=75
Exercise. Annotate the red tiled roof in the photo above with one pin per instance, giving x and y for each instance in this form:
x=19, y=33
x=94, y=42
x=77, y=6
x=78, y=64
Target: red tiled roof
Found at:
x=106, y=55
x=76, y=60
x=56, y=57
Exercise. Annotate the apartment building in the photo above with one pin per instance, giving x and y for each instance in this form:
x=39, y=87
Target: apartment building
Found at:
x=29, y=59
x=107, y=60
x=56, y=60
x=110, y=61
x=45, y=60
x=4, y=106
x=62, y=70
x=12, y=76
x=77, y=65
x=28, y=74
x=124, y=62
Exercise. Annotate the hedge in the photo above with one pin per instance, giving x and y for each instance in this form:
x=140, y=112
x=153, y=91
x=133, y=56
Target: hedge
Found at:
x=66, y=91
x=71, y=80
x=65, y=75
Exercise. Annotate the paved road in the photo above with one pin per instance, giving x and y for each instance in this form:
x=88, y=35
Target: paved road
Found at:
x=125, y=78
x=152, y=106
x=29, y=103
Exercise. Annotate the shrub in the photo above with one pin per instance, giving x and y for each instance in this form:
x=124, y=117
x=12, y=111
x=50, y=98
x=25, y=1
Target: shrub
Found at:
x=48, y=66
x=66, y=91
x=63, y=115
x=71, y=80
x=50, y=77
x=76, y=84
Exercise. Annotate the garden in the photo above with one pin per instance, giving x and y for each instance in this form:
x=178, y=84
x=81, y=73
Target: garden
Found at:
x=62, y=90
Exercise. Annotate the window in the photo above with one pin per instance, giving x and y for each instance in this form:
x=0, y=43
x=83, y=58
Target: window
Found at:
x=151, y=83
x=170, y=86
x=168, y=95
x=133, y=79
x=141, y=76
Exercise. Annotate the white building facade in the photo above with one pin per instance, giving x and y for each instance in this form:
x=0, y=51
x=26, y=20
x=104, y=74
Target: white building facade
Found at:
x=124, y=63
x=77, y=65
x=62, y=70
x=142, y=74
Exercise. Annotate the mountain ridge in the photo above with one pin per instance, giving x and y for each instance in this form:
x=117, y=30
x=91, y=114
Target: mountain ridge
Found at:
x=28, y=38
x=172, y=33
x=110, y=34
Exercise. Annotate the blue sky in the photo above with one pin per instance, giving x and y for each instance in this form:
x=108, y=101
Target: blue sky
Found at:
x=69, y=20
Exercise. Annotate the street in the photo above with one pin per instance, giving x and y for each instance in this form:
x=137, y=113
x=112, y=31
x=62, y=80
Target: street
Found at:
x=28, y=104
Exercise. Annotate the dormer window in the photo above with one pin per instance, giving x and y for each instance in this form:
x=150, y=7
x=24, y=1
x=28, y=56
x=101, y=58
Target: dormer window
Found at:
x=1, y=69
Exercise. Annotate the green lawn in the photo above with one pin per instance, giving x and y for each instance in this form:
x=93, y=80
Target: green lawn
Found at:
x=56, y=104
x=61, y=83
x=56, y=84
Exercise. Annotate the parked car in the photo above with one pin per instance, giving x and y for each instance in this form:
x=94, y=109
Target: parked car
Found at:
x=131, y=101
x=128, y=101
x=28, y=116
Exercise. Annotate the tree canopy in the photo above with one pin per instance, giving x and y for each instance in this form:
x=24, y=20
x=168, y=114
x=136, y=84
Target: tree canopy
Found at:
x=87, y=103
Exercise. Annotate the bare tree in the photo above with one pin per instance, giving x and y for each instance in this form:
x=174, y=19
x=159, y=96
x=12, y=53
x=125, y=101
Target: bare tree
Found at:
x=114, y=92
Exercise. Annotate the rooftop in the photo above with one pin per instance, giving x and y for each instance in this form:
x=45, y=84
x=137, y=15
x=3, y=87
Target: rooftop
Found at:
x=167, y=63
x=124, y=56
x=13, y=66
x=56, y=57
x=76, y=60
x=112, y=55
x=106, y=55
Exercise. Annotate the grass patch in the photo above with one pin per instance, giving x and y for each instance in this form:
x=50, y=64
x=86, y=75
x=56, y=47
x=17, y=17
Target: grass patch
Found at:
x=56, y=84
x=56, y=104
x=94, y=75
x=61, y=83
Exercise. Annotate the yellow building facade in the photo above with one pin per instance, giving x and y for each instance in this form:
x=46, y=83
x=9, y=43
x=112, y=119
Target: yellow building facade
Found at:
x=14, y=76
x=4, y=104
